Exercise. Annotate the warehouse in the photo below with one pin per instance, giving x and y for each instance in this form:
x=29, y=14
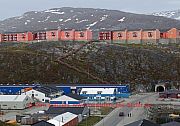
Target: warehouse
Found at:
x=14, y=89
x=66, y=119
x=15, y=102
x=122, y=90
x=99, y=94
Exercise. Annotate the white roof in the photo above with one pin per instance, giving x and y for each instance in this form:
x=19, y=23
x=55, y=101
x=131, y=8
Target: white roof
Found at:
x=62, y=119
x=32, y=90
x=55, y=122
x=64, y=98
x=96, y=90
x=9, y=98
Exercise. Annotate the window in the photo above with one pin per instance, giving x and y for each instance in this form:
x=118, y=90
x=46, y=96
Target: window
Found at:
x=134, y=34
x=161, y=35
x=81, y=34
x=99, y=92
x=91, y=97
x=119, y=35
x=42, y=99
x=150, y=34
x=23, y=36
x=53, y=34
x=36, y=95
x=67, y=34
x=84, y=92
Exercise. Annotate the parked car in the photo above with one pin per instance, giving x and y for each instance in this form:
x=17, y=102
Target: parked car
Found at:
x=121, y=113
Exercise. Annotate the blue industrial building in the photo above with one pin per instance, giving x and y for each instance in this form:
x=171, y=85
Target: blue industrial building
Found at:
x=11, y=89
x=120, y=90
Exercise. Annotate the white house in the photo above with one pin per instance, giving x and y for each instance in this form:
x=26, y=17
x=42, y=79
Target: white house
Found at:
x=37, y=95
x=15, y=102
x=106, y=94
x=44, y=93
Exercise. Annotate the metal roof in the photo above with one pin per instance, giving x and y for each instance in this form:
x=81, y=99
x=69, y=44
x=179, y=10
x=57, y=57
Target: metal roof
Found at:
x=61, y=110
x=48, y=90
x=62, y=119
x=64, y=98
x=43, y=123
x=143, y=122
x=9, y=98
x=171, y=124
x=76, y=96
x=96, y=90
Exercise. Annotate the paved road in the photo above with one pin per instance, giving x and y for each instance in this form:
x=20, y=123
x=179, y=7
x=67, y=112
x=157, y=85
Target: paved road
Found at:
x=113, y=118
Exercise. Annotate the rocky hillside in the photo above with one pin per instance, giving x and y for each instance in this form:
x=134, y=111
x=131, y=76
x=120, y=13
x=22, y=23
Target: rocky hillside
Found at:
x=169, y=14
x=59, y=62
x=84, y=18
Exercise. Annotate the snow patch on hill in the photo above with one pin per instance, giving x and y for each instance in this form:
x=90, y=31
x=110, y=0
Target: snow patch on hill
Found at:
x=103, y=18
x=90, y=25
x=54, y=11
x=122, y=19
x=169, y=14
x=69, y=19
x=77, y=21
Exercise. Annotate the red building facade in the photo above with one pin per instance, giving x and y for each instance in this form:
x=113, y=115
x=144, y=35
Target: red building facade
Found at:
x=68, y=35
x=0, y=37
x=83, y=35
x=53, y=35
x=24, y=37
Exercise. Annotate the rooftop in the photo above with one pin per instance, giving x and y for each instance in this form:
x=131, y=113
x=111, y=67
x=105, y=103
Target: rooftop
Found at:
x=76, y=96
x=48, y=89
x=42, y=123
x=61, y=110
x=62, y=119
x=8, y=98
x=171, y=124
x=96, y=90
x=64, y=98
x=143, y=122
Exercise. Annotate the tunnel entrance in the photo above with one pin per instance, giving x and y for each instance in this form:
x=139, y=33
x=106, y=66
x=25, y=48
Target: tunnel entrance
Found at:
x=160, y=89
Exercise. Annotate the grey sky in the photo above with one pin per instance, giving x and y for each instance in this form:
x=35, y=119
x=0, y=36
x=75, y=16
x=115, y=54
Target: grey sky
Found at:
x=10, y=8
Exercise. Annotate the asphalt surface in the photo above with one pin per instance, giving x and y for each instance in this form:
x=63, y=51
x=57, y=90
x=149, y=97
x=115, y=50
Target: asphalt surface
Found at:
x=113, y=119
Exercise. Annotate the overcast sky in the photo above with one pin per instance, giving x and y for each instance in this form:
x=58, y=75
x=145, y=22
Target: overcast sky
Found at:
x=10, y=8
